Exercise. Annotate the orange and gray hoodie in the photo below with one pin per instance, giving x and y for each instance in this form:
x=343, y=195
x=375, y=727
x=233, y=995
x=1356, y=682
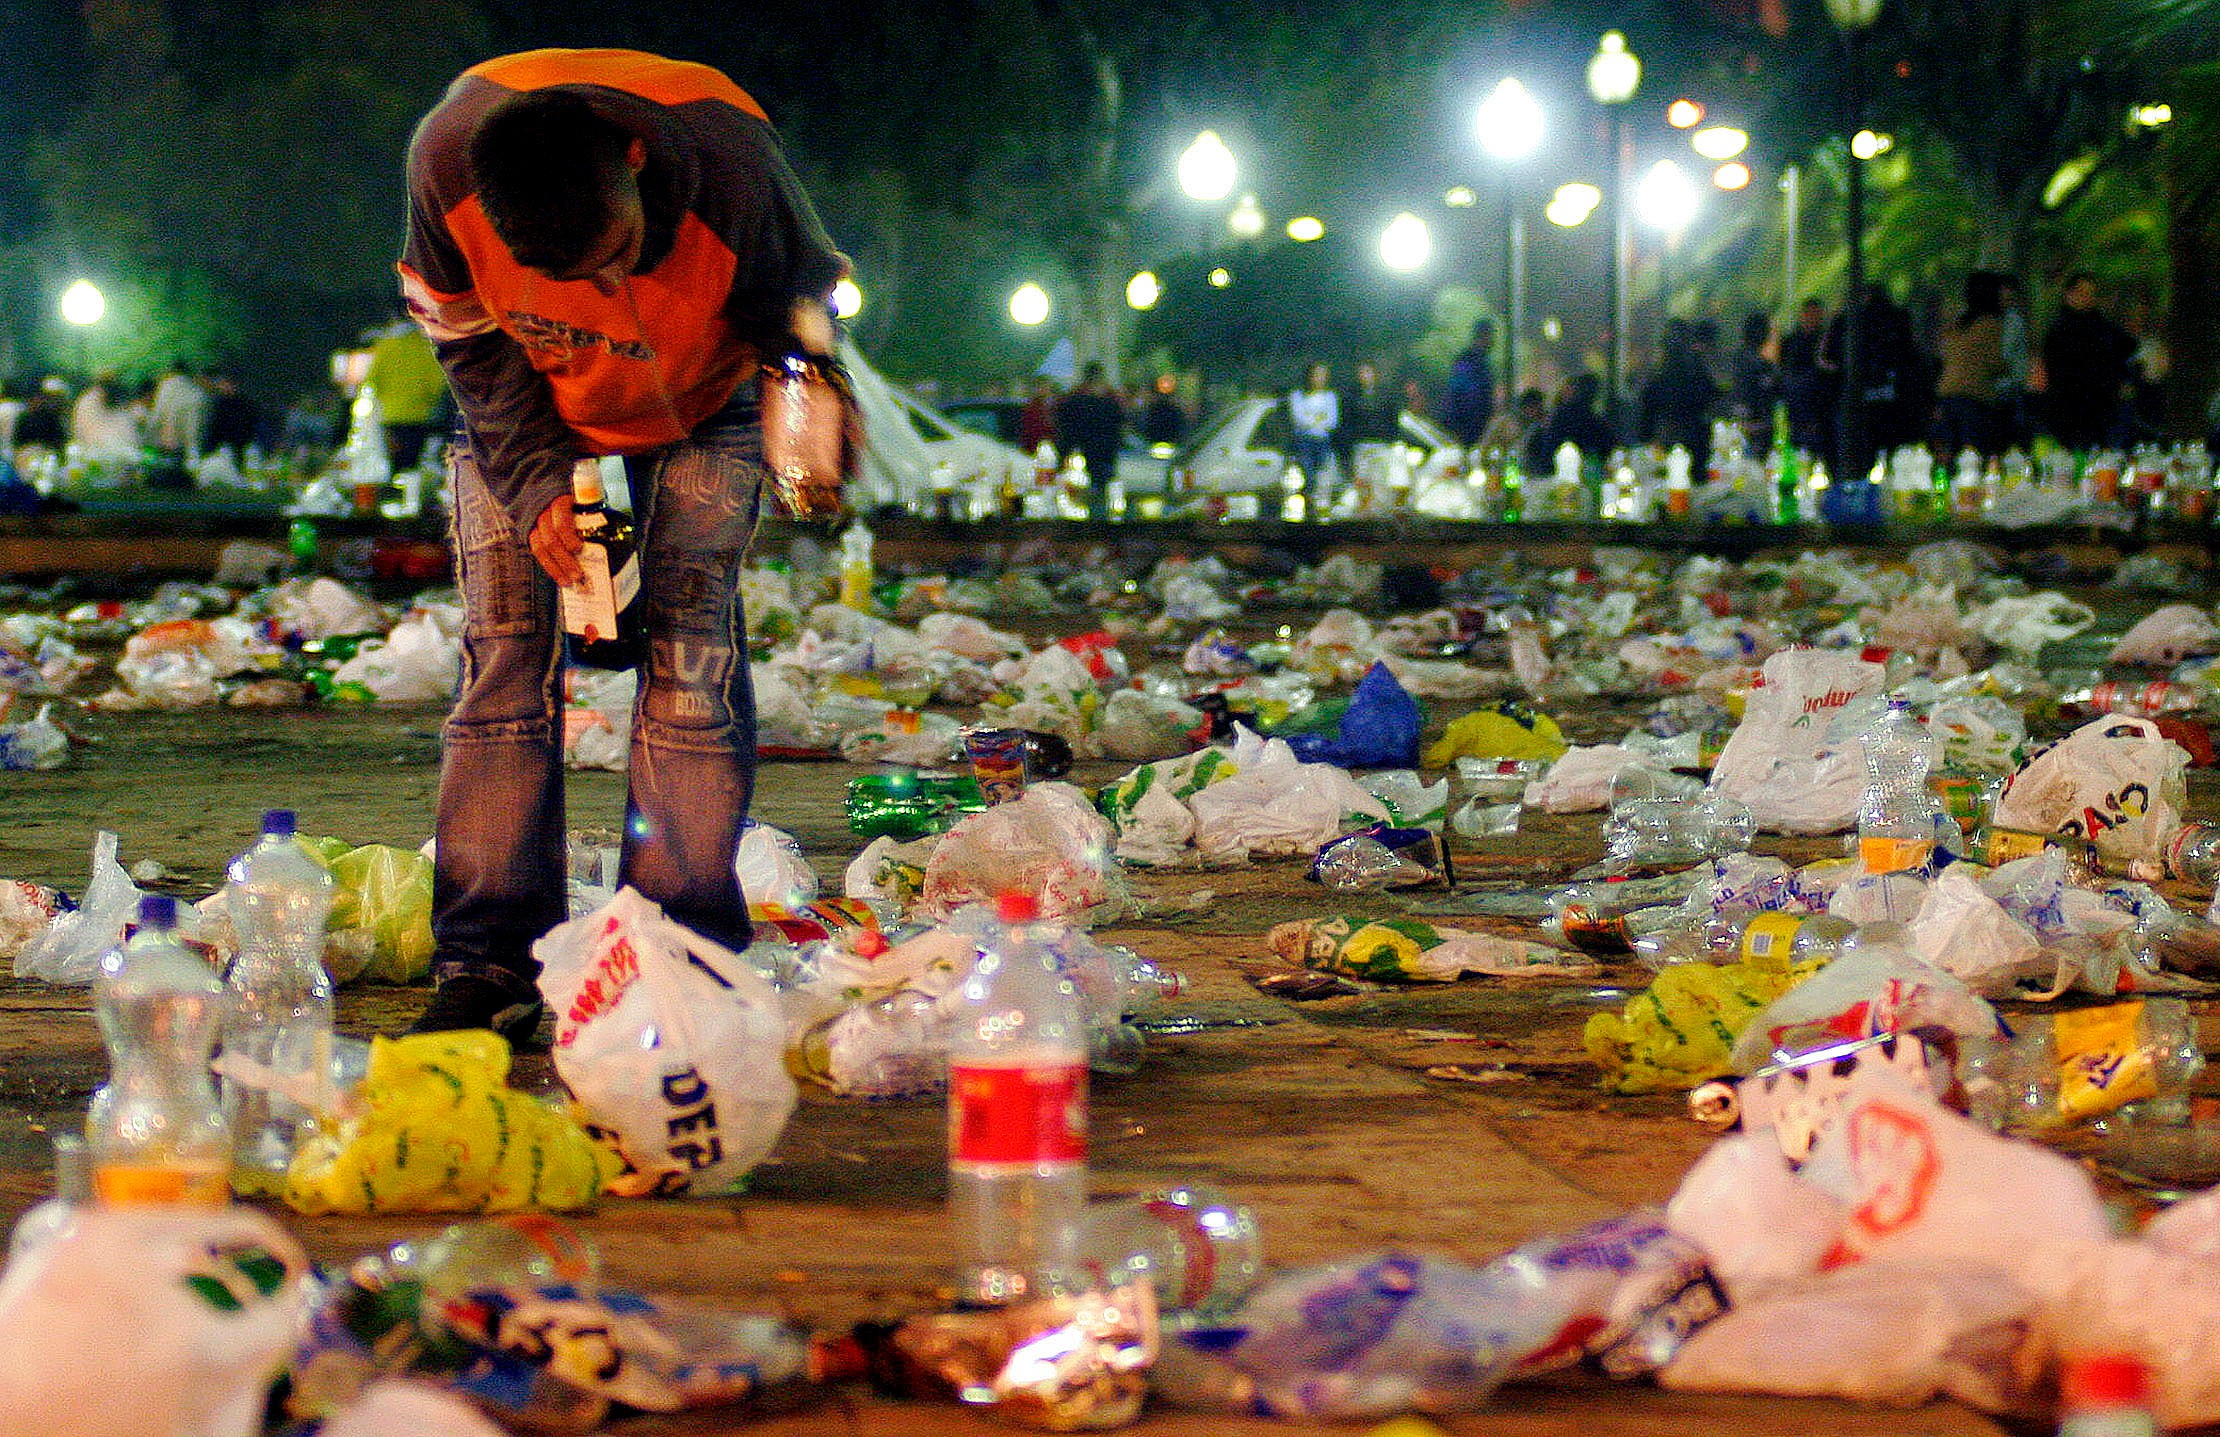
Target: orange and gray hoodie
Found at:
x=544, y=370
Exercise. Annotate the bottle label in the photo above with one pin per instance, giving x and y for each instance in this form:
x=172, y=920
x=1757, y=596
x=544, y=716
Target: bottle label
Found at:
x=1770, y=938
x=2007, y=844
x=1017, y=1116
x=1593, y=931
x=151, y=1185
x=1895, y=855
x=591, y=606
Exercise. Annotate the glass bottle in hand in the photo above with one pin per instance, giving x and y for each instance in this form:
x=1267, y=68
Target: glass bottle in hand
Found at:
x=601, y=613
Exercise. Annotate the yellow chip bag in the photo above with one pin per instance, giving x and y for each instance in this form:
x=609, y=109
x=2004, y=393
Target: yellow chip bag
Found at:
x=2102, y=1063
x=434, y=1127
x=1679, y=1032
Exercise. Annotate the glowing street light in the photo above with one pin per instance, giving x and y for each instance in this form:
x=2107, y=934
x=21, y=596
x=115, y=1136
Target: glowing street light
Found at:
x=1866, y=144
x=1733, y=175
x=1572, y=204
x=1207, y=169
x=1247, y=219
x=1406, y=244
x=1614, y=74
x=1510, y=122
x=1029, y=305
x=1460, y=197
x=1221, y=277
x=83, y=303
x=847, y=299
x=1719, y=142
x=1667, y=199
x=1144, y=290
x=1303, y=229
x=2150, y=117
x=1684, y=114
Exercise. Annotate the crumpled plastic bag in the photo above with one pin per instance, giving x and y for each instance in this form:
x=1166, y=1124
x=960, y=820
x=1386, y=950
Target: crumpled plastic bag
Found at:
x=1969, y=935
x=1759, y=1225
x=1498, y=731
x=1781, y=761
x=434, y=1127
x=70, y=948
x=149, y=1322
x=1580, y=780
x=770, y=867
x=1410, y=803
x=2024, y=624
x=1874, y=986
x=381, y=915
x=1379, y=730
x=1410, y=950
x=1276, y=804
x=36, y=744
x=1137, y=726
x=2167, y=635
x=417, y=663
x=1980, y=733
x=672, y=1045
x=2116, y=781
x=323, y=608
x=1681, y=1030
x=1050, y=843
x=1899, y=1334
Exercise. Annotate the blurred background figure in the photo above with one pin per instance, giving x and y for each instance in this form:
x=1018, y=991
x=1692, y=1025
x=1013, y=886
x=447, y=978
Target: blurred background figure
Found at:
x=1973, y=368
x=411, y=390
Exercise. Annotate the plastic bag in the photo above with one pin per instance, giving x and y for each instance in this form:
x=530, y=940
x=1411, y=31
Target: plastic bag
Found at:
x=1380, y=729
x=1137, y=726
x=1680, y=1030
x=1407, y=950
x=149, y=1323
x=70, y=948
x=770, y=867
x=1780, y=759
x=670, y=1043
x=2025, y=624
x=381, y=915
x=1581, y=780
x=38, y=743
x=1276, y=804
x=1410, y=803
x=1969, y=935
x=2167, y=635
x=2117, y=782
x=1050, y=843
x=417, y=663
x=1757, y=1223
x=1498, y=731
x=1879, y=984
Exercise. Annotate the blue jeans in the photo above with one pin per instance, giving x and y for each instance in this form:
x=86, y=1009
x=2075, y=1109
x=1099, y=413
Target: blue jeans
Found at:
x=500, y=876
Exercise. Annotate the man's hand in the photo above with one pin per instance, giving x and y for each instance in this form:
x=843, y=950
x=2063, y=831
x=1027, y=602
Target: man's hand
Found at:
x=555, y=542
x=812, y=325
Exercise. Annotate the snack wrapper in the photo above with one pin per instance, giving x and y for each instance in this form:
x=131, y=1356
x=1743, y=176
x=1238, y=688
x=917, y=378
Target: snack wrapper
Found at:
x=434, y=1127
x=1681, y=1031
x=1410, y=950
x=1076, y=1363
x=2103, y=1063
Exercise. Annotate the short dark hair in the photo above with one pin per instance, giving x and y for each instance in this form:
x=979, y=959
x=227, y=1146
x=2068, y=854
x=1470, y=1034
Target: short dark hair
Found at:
x=545, y=167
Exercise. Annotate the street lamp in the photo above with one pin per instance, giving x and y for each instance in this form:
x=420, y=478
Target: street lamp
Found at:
x=1614, y=74
x=1668, y=200
x=847, y=299
x=1406, y=244
x=1853, y=18
x=1207, y=169
x=83, y=304
x=1247, y=219
x=1144, y=290
x=1510, y=129
x=1029, y=305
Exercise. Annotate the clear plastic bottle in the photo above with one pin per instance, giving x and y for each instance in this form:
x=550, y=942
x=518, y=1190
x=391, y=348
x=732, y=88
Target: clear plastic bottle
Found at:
x=72, y=1191
x=156, y=1132
x=1896, y=820
x=857, y=574
x=1199, y=1248
x=281, y=1004
x=1017, y=1118
x=1776, y=939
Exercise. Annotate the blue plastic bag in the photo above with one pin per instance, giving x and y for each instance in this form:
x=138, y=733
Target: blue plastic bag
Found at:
x=1380, y=730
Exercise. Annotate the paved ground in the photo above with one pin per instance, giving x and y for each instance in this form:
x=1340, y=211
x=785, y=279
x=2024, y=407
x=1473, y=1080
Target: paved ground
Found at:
x=1321, y=1115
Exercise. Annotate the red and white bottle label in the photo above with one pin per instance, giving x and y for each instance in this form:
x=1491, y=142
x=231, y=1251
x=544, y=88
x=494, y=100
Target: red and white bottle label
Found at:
x=1017, y=1116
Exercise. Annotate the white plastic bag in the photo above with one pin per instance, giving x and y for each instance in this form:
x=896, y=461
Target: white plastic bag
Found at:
x=1876, y=986
x=2025, y=624
x=1758, y=1224
x=1966, y=933
x=38, y=743
x=2117, y=781
x=324, y=608
x=2167, y=635
x=770, y=867
x=670, y=1042
x=1781, y=760
x=417, y=663
x=1277, y=804
x=70, y=948
x=1050, y=843
x=152, y=1322
x=1580, y=781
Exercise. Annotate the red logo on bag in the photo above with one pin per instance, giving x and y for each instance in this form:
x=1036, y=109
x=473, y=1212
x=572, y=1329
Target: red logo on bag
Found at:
x=1020, y=1116
x=612, y=973
x=1893, y=1153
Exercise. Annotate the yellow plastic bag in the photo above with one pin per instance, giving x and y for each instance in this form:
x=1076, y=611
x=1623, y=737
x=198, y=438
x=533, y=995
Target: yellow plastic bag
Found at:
x=2103, y=1063
x=1679, y=1032
x=381, y=915
x=434, y=1127
x=1498, y=733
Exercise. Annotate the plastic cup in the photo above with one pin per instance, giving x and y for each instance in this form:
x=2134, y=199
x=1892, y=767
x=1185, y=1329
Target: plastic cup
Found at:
x=1199, y=1248
x=997, y=762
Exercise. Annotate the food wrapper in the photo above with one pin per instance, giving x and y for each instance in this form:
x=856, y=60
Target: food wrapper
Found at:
x=815, y=922
x=1410, y=950
x=2102, y=1061
x=1499, y=731
x=1680, y=1031
x=1074, y=1363
x=434, y=1127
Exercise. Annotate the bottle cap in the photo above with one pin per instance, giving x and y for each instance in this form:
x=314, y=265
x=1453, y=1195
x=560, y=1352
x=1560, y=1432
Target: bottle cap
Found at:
x=278, y=823
x=157, y=910
x=2105, y=1379
x=1015, y=907
x=585, y=482
x=870, y=943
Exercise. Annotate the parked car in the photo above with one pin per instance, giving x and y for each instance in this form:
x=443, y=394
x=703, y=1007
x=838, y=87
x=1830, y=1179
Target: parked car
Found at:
x=1244, y=449
x=913, y=451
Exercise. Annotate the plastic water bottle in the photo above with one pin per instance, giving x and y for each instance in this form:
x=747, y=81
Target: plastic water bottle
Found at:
x=281, y=1004
x=156, y=1133
x=1896, y=821
x=1017, y=1118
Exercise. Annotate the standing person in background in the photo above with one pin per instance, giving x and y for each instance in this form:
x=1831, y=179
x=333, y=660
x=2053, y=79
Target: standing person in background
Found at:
x=234, y=420
x=1037, y=420
x=1469, y=401
x=1091, y=423
x=604, y=246
x=1678, y=399
x=2017, y=347
x=1163, y=421
x=180, y=416
x=2085, y=356
x=1575, y=421
x=1371, y=420
x=1514, y=431
x=1972, y=368
x=1756, y=379
x=1314, y=416
x=1807, y=386
x=411, y=388
x=105, y=424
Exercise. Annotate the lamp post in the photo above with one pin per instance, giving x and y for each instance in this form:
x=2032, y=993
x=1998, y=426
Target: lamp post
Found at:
x=1668, y=200
x=1853, y=18
x=1614, y=74
x=1510, y=128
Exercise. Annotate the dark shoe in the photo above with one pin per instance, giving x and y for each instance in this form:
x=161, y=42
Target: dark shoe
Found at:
x=506, y=1004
